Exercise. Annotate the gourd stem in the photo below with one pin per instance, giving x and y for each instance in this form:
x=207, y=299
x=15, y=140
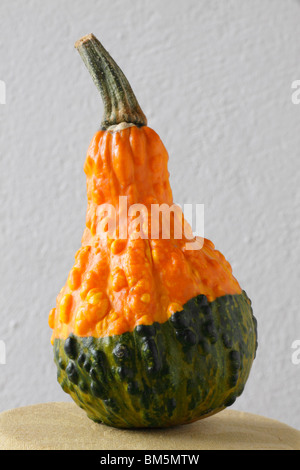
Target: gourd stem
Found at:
x=120, y=103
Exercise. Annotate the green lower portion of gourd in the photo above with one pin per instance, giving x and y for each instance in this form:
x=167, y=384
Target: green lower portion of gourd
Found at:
x=188, y=368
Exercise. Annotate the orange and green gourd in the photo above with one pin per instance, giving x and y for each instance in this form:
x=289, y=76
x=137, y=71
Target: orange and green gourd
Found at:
x=146, y=332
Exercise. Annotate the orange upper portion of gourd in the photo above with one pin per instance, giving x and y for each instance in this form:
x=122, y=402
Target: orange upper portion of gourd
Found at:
x=117, y=283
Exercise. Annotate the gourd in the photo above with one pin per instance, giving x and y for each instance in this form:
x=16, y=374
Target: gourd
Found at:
x=146, y=332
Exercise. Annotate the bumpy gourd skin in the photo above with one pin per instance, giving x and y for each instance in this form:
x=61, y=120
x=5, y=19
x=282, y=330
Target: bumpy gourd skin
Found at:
x=148, y=331
x=116, y=284
x=190, y=367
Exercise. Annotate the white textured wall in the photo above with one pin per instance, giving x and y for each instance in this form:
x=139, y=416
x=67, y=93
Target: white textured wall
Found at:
x=214, y=79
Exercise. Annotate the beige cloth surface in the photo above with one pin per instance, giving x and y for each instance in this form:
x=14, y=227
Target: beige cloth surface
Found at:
x=65, y=426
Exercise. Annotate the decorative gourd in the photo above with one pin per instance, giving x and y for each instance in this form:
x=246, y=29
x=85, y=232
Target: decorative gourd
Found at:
x=146, y=332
